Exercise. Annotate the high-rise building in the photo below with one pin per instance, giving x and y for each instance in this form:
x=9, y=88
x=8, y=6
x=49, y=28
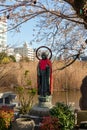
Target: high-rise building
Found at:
x=3, y=33
x=25, y=51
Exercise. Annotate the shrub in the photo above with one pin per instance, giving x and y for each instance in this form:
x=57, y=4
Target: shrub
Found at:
x=2, y=55
x=6, y=116
x=13, y=58
x=50, y=123
x=5, y=60
x=65, y=115
x=25, y=98
x=26, y=94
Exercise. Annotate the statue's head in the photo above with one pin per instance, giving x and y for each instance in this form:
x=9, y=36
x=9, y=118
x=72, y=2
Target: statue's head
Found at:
x=44, y=56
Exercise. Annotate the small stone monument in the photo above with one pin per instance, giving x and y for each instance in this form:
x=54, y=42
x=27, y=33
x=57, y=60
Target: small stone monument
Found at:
x=83, y=99
x=82, y=114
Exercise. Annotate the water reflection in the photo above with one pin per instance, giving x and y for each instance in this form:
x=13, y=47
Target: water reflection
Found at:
x=71, y=97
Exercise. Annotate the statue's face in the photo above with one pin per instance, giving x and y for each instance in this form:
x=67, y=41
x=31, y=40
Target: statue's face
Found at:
x=44, y=56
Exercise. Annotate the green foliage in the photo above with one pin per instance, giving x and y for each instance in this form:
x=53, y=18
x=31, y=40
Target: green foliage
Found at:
x=26, y=94
x=2, y=124
x=2, y=55
x=65, y=115
x=28, y=81
x=13, y=58
x=19, y=90
x=32, y=91
x=5, y=60
x=26, y=97
x=26, y=78
x=26, y=73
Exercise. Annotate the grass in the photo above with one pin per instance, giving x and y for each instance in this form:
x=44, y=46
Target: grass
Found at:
x=69, y=78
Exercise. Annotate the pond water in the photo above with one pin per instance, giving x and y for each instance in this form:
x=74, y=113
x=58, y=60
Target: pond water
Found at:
x=68, y=97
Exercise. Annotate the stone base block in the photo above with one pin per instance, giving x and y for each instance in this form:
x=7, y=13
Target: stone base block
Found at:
x=81, y=116
x=39, y=111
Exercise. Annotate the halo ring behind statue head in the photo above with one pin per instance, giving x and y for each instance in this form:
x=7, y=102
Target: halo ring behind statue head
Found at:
x=50, y=52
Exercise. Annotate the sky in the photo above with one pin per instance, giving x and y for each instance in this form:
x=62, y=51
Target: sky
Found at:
x=25, y=34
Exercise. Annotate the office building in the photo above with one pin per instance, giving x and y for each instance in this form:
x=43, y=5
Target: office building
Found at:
x=3, y=33
x=25, y=51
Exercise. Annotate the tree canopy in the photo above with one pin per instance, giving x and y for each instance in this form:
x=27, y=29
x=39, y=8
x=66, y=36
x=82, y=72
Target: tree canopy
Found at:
x=60, y=23
x=10, y=9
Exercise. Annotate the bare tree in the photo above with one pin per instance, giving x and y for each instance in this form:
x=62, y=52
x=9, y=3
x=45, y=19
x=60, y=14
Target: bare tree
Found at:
x=20, y=11
x=61, y=34
x=57, y=23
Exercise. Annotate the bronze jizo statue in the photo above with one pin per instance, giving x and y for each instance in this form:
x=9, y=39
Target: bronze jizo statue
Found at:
x=44, y=72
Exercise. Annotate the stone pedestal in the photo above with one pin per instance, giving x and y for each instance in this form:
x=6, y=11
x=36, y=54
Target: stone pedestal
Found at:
x=41, y=109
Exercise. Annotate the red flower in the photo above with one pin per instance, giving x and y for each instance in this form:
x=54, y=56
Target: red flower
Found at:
x=6, y=114
x=50, y=123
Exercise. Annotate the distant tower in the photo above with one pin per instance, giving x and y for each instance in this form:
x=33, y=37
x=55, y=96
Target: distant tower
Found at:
x=3, y=33
x=28, y=51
